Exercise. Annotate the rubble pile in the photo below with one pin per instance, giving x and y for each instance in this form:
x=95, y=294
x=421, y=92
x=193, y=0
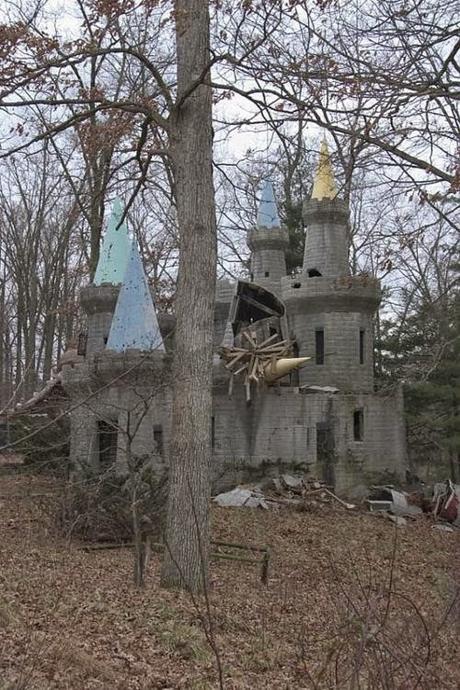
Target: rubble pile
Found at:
x=443, y=506
x=315, y=496
x=287, y=490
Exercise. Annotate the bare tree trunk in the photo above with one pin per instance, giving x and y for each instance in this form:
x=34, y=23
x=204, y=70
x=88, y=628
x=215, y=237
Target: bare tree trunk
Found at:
x=187, y=526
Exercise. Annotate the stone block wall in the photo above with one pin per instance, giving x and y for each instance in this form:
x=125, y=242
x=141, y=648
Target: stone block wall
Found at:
x=342, y=309
x=279, y=432
x=326, y=240
x=136, y=405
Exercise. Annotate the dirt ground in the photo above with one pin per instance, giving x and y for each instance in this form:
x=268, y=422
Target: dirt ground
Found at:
x=351, y=602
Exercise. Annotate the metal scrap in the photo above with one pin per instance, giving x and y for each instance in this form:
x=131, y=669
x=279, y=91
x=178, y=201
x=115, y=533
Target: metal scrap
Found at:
x=446, y=502
x=386, y=498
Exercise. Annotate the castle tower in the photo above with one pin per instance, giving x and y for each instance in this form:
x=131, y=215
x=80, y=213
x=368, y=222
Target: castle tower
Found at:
x=268, y=242
x=326, y=218
x=99, y=299
x=330, y=312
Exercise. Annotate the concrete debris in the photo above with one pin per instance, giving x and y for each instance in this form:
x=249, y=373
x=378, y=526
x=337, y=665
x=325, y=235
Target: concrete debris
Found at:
x=291, y=483
x=241, y=497
x=397, y=519
x=286, y=490
x=443, y=528
x=277, y=485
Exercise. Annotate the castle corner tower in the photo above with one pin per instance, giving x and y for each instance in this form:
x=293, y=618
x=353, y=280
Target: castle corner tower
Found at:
x=268, y=242
x=99, y=299
x=330, y=312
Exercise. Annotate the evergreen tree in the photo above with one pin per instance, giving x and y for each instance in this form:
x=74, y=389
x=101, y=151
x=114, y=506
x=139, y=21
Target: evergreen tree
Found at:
x=424, y=353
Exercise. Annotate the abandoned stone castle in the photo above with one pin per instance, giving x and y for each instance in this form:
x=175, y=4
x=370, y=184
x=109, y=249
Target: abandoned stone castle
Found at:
x=324, y=419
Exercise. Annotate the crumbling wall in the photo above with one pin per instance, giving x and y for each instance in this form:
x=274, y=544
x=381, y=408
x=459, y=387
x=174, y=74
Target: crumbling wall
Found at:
x=279, y=431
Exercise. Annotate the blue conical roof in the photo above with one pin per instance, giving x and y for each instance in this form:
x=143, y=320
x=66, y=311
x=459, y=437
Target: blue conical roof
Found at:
x=114, y=250
x=267, y=216
x=135, y=323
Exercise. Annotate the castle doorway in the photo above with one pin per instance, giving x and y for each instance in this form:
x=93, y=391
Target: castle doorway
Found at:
x=325, y=452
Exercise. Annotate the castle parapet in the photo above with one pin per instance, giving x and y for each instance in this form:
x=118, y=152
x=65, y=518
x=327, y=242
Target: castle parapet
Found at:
x=345, y=293
x=268, y=238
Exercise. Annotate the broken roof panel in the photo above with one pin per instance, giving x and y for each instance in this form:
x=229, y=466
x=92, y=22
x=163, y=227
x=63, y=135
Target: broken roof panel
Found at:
x=135, y=324
x=114, y=250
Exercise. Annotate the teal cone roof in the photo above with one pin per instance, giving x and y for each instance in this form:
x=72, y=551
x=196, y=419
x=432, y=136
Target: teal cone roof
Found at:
x=267, y=216
x=135, y=323
x=114, y=250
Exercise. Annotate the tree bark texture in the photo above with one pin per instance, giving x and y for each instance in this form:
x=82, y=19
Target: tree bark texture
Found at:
x=187, y=526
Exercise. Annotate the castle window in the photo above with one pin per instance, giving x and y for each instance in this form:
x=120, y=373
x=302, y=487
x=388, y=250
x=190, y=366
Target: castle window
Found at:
x=319, y=346
x=107, y=433
x=267, y=274
x=358, y=425
x=294, y=379
x=361, y=346
x=158, y=439
x=82, y=343
x=213, y=432
x=314, y=273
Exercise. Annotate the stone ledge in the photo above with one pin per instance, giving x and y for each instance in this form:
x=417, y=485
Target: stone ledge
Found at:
x=268, y=238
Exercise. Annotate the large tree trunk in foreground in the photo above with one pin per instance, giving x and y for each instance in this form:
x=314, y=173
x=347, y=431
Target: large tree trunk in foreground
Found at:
x=187, y=527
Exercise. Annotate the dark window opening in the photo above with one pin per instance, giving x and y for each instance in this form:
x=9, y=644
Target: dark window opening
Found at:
x=108, y=443
x=297, y=285
x=267, y=274
x=294, y=379
x=361, y=346
x=213, y=432
x=314, y=273
x=158, y=439
x=358, y=425
x=325, y=452
x=252, y=277
x=105, y=340
x=82, y=342
x=319, y=346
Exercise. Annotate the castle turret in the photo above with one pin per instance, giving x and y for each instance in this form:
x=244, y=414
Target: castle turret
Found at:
x=330, y=312
x=326, y=219
x=99, y=299
x=268, y=242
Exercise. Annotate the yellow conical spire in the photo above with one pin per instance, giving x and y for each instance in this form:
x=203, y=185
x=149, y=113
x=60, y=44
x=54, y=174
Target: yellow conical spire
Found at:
x=280, y=367
x=324, y=186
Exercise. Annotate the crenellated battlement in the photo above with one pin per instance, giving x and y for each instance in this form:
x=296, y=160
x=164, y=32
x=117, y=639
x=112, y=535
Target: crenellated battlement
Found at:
x=99, y=298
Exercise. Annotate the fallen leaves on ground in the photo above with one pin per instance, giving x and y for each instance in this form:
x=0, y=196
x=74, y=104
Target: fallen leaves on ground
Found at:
x=73, y=620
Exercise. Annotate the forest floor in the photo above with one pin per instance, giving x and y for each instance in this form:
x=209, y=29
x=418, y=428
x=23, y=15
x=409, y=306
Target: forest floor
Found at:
x=73, y=619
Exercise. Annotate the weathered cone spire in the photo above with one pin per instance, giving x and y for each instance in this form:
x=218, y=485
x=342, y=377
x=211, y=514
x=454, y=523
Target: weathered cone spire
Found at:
x=135, y=323
x=114, y=251
x=324, y=186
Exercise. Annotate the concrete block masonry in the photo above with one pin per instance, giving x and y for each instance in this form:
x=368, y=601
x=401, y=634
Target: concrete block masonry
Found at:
x=326, y=421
